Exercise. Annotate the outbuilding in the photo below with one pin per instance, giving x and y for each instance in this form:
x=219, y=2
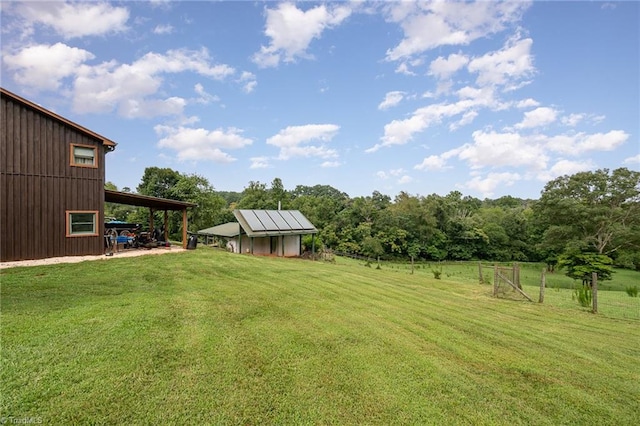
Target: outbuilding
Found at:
x=265, y=232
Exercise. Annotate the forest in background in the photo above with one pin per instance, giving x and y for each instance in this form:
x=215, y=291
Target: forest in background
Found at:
x=589, y=217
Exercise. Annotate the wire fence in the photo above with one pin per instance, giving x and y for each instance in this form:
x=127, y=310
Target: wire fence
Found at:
x=559, y=290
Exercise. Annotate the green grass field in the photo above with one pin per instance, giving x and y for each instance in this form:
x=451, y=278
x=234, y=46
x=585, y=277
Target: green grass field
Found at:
x=613, y=300
x=210, y=337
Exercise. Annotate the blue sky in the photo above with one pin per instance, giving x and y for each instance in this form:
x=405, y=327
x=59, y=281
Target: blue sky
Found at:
x=486, y=98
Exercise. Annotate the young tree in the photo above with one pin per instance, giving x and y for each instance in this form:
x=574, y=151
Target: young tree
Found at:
x=581, y=266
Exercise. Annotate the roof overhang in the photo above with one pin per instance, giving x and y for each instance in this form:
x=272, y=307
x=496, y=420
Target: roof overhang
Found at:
x=145, y=201
x=228, y=230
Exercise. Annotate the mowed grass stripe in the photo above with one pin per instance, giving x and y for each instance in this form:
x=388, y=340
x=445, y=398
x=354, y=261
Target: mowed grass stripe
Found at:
x=218, y=338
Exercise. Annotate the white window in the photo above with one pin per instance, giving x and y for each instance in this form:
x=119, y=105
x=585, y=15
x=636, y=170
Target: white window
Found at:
x=82, y=223
x=83, y=156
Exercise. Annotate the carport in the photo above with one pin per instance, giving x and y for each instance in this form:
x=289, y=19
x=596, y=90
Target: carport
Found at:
x=154, y=204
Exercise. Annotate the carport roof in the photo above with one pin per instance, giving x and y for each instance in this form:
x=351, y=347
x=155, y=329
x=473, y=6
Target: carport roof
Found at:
x=129, y=199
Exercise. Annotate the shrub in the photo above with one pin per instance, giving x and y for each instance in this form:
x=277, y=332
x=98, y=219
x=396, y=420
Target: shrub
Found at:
x=583, y=295
x=632, y=291
x=437, y=272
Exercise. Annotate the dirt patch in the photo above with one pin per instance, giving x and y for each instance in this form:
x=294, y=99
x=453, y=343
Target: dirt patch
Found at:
x=76, y=259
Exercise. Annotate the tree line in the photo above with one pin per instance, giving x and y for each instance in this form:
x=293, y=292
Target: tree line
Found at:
x=594, y=214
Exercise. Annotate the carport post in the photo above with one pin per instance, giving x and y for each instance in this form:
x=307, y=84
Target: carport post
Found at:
x=166, y=226
x=184, y=228
x=151, y=212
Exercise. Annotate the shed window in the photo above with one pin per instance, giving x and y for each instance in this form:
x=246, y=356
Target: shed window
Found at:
x=83, y=156
x=80, y=223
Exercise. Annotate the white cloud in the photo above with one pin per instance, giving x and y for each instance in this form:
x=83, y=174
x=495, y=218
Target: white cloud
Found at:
x=201, y=144
x=133, y=108
x=249, y=80
x=576, y=144
x=75, y=19
x=632, y=160
x=399, y=132
x=565, y=167
x=249, y=86
x=509, y=66
x=291, y=30
x=405, y=179
x=432, y=162
x=259, y=163
x=163, y=29
x=398, y=173
x=428, y=25
x=293, y=141
x=109, y=85
x=538, y=117
x=43, y=67
x=483, y=96
x=444, y=68
x=330, y=164
x=527, y=103
x=572, y=120
x=486, y=186
x=204, y=97
x=467, y=118
x=403, y=68
x=491, y=149
x=391, y=99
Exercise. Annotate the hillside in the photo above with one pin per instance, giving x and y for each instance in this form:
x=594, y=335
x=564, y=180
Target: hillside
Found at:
x=210, y=337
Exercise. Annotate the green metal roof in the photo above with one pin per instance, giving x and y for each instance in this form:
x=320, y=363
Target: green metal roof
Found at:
x=229, y=230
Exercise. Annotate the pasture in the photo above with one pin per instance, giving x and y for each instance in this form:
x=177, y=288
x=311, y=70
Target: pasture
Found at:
x=215, y=338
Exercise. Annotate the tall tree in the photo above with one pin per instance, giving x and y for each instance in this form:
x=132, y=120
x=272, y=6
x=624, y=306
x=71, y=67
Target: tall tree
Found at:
x=597, y=211
x=255, y=196
x=158, y=182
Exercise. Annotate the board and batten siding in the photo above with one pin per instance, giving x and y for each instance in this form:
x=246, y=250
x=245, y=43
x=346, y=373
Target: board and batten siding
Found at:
x=38, y=185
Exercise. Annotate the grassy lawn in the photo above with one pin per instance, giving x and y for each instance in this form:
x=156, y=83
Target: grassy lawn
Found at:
x=210, y=337
x=613, y=300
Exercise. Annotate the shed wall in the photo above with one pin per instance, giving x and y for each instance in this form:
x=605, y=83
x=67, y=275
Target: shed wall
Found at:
x=38, y=186
x=262, y=245
x=292, y=245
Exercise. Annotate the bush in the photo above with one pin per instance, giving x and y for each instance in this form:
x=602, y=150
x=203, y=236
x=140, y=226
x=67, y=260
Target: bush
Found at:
x=583, y=295
x=632, y=291
x=437, y=273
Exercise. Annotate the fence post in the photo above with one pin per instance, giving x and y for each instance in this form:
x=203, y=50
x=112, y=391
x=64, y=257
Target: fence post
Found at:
x=480, y=278
x=517, y=273
x=495, y=280
x=543, y=283
x=594, y=291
